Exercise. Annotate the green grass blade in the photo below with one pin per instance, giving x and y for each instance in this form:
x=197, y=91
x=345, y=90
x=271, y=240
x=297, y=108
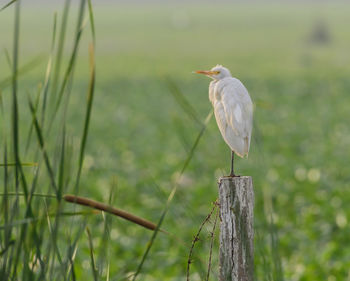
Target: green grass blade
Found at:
x=71, y=254
x=17, y=223
x=24, y=164
x=61, y=41
x=28, y=215
x=6, y=193
x=92, y=22
x=15, y=136
x=90, y=98
x=29, y=136
x=1, y=104
x=21, y=70
x=182, y=101
x=48, y=72
x=92, y=257
x=30, y=220
x=15, y=117
x=55, y=229
x=7, y=5
x=5, y=211
x=105, y=244
x=7, y=246
x=172, y=194
x=61, y=166
x=9, y=62
x=69, y=70
x=42, y=146
x=53, y=239
x=277, y=262
x=33, y=194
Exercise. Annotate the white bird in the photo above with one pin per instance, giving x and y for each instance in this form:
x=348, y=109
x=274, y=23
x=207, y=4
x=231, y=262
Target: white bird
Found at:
x=233, y=109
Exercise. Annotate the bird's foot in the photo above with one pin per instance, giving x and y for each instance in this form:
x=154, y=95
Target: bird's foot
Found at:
x=233, y=176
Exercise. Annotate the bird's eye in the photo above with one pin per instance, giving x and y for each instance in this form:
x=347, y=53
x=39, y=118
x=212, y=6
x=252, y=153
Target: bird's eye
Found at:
x=217, y=72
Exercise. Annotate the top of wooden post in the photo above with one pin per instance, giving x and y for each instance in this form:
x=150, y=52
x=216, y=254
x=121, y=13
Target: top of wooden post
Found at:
x=238, y=178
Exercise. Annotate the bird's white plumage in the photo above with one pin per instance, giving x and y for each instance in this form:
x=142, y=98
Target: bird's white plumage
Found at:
x=238, y=113
x=233, y=110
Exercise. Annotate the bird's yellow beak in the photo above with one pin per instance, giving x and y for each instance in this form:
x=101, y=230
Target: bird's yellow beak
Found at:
x=207, y=72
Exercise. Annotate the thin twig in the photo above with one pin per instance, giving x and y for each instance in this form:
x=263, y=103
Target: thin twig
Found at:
x=212, y=234
x=196, y=238
x=109, y=209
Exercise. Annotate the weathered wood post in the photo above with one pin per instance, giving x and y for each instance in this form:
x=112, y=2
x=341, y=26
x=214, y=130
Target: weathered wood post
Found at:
x=236, y=197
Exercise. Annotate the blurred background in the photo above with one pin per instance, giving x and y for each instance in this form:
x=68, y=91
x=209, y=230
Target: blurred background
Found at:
x=148, y=111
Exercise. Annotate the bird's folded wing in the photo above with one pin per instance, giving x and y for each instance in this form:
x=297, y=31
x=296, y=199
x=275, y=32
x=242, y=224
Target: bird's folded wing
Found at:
x=238, y=110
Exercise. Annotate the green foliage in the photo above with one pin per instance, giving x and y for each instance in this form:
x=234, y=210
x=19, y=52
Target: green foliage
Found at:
x=132, y=132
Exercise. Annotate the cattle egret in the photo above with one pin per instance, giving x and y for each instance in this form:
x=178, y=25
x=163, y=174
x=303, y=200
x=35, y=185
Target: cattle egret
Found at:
x=233, y=109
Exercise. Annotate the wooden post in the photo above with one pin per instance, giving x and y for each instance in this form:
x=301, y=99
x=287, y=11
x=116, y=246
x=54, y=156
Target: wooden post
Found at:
x=236, y=197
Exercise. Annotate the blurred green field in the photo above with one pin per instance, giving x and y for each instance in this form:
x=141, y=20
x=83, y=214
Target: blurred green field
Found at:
x=294, y=60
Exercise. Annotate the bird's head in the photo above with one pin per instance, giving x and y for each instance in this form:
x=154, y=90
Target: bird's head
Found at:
x=217, y=72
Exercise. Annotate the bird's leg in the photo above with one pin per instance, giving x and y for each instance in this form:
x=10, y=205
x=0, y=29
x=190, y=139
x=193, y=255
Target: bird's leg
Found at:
x=232, y=174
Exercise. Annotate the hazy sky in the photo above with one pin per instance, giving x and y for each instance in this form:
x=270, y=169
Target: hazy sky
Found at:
x=104, y=2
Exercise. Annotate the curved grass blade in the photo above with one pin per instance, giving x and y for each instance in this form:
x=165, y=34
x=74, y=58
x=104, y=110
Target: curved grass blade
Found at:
x=59, y=53
x=42, y=146
x=15, y=117
x=172, y=193
x=48, y=72
x=72, y=250
x=61, y=173
x=91, y=248
x=277, y=261
x=17, y=223
x=182, y=101
x=5, y=209
x=7, y=5
x=29, y=136
x=53, y=245
x=104, y=246
x=28, y=215
x=92, y=22
x=21, y=70
x=15, y=134
x=69, y=70
x=90, y=98
x=7, y=246
x=56, y=226
x=15, y=139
